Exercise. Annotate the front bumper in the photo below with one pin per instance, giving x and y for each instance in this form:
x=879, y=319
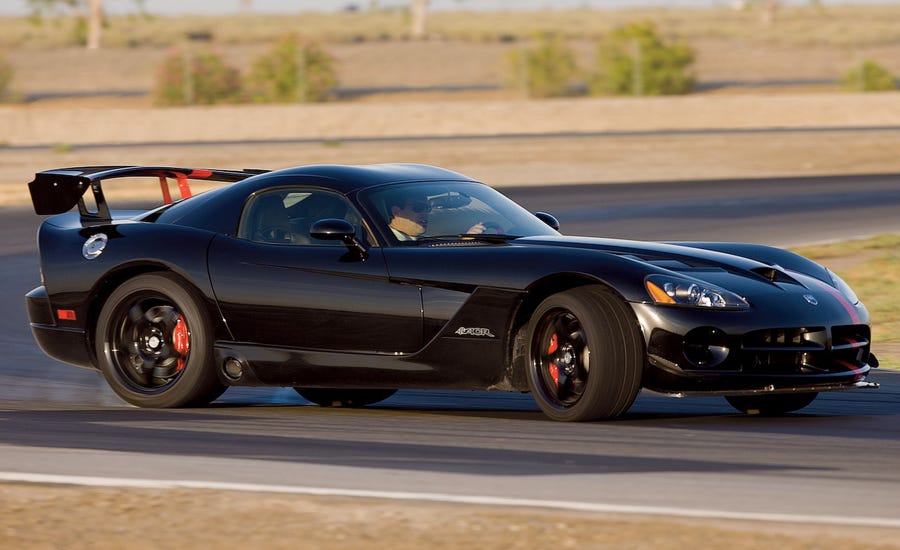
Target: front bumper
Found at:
x=772, y=389
x=702, y=352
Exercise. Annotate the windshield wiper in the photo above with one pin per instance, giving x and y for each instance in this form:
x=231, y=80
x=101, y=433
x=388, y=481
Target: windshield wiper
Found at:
x=488, y=237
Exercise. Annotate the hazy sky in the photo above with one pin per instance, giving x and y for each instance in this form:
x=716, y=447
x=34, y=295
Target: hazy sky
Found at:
x=15, y=7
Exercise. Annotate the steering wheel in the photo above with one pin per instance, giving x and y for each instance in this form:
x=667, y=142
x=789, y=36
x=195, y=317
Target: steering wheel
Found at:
x=272, y=234
x=493, y=227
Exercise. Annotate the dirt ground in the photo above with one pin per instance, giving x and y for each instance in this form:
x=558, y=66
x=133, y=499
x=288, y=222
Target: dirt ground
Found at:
x=504, y=162
x=38, y=516
x=57, y=131
x=400, y=133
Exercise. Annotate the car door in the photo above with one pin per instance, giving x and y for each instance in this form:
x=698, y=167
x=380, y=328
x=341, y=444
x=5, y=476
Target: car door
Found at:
x=278, y=286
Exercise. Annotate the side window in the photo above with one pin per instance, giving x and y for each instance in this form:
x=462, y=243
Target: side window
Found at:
x=285, y=216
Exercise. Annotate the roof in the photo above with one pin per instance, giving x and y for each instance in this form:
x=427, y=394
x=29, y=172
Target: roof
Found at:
x=345, y=178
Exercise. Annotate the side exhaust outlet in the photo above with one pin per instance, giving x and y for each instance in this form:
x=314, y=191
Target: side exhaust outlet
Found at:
x=233, y=369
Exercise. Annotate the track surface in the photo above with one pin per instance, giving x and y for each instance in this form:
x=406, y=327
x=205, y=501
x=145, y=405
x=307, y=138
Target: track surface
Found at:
x=840, y=457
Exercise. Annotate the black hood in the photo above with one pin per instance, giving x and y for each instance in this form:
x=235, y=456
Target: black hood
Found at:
x=745, y=269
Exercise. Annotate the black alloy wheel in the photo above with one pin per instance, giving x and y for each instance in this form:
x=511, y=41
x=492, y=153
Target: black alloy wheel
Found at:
x=154, y=344
x=586, y=355
x=562, y=357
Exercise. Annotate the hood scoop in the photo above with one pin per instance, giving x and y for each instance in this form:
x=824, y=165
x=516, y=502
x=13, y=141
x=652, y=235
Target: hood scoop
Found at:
x=774, y=274
x=771, y=274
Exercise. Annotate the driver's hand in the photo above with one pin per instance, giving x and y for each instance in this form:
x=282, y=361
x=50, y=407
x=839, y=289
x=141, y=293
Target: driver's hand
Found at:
x=476, y=229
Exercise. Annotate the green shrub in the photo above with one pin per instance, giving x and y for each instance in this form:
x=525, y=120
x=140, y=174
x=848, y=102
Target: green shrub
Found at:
x=869, y=76
x=187, y=78
x=293, y=71
x=544, y=70
x=636, y=60
x=6, y=76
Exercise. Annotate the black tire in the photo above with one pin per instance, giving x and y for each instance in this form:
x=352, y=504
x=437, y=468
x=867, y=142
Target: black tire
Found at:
x=342, y=397
x=771, y=405
x=585, y=355
x=154, y=344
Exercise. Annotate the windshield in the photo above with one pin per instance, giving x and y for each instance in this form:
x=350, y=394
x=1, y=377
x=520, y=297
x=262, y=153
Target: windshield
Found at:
x=419, y=211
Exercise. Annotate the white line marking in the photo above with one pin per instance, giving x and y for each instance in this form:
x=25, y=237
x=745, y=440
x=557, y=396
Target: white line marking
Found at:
x=448, y=498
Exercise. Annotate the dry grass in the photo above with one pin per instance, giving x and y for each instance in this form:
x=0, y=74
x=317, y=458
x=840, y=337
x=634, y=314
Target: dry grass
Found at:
x=872, y=268
x=504, y=162
x=463, y=48
x=844, y=26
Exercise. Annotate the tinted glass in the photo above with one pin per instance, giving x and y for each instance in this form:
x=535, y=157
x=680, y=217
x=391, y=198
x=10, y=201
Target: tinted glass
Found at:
x=284, y=216
x=413, y=211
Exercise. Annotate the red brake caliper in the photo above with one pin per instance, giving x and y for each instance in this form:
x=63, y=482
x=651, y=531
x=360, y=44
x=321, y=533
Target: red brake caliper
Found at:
x=181, y=339
x=554, y=370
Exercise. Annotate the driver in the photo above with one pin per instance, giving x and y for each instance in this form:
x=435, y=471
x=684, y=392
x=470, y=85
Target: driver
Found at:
x=409, y=217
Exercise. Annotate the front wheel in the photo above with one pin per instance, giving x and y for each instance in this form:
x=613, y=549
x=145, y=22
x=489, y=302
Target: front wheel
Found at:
x=771, y=405
x=337, y=397
x=586, y=355
x=154, y=344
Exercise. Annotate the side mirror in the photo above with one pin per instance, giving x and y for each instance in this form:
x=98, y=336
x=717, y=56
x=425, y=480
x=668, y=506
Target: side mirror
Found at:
x=549, y=219
x=334, y=229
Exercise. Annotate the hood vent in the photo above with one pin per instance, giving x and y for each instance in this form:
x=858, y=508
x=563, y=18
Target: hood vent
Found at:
x=774, y=274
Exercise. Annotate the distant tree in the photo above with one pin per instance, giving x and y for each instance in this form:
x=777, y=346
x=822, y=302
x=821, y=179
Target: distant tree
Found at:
x=869, y=76
x=6, y=76
x=95, y=24
x=637, y=60
x=185, y=78
x=293, y=71
x=545, y=69
x=767, y=9
x=86, y=12
x=419, y=9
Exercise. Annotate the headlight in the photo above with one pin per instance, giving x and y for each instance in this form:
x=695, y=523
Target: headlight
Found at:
x=844, y=288
x=676, y=291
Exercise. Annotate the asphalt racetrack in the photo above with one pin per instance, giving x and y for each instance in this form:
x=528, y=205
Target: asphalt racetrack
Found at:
x=835, y=462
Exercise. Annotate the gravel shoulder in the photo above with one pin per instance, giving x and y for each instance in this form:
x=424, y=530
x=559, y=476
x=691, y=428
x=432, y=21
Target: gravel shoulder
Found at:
x=41, y=516
x=513, y=142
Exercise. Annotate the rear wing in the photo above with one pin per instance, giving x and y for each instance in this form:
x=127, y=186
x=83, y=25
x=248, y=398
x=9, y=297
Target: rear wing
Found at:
x=57, y=191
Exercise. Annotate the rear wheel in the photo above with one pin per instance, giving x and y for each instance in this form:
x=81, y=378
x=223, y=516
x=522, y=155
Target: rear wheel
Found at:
x=337, y=397
x=154, y=344
x=585, y=355
x=771, y=405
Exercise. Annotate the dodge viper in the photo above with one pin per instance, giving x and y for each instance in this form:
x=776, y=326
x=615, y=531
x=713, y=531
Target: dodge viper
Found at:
x=348, y=283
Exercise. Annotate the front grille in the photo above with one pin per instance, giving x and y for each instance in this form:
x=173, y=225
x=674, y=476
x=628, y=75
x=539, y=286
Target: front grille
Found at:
x=850, y=345
x=805, y=350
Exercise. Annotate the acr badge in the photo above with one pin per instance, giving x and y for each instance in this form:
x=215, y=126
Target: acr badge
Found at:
x=94, y=246
x=474, y=331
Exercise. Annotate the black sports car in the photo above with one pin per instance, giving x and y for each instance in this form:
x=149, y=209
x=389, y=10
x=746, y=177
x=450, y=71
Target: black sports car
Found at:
x=350, y=282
